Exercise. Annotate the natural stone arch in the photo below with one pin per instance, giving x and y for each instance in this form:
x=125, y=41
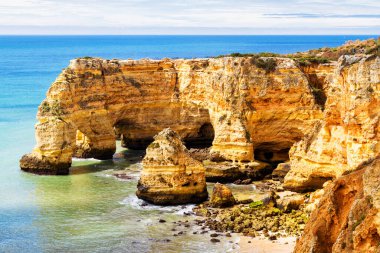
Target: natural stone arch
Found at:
x=140, y=98
x=98, y=134
x=203, y=138
x=186, y=119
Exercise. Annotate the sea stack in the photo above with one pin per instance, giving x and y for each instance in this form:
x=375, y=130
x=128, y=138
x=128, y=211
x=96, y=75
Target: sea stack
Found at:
x=170, y=175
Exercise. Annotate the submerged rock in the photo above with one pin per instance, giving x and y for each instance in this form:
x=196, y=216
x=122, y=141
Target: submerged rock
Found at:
x=170, y=175
x=222, y=196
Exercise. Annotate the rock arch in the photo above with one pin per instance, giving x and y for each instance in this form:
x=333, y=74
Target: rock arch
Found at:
x=138, y=98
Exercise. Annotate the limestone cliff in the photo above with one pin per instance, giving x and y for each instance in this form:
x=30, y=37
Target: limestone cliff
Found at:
x=347, y=219
x=246, y=108
x=349, y=132
x=233, y=102
x=170, y=175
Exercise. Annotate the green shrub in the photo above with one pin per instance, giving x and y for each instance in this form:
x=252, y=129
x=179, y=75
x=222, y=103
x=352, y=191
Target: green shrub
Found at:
x=56, y=108
x=256, y=204
x=268, y=64
x=53, y=107
x=374, y=50
x=262, y=54
x=309, y=60
x=45, y=107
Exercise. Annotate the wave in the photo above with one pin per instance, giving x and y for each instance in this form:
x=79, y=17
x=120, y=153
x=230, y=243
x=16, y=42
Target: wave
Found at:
x=140, y=204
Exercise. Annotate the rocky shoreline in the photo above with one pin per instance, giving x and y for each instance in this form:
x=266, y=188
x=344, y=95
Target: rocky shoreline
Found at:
x=310, y=123
x=271, y=216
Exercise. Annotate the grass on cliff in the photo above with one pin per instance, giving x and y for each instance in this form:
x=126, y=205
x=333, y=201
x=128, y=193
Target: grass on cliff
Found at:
x=260, y=60
x=310, y=60
x=262, y=54
x=315, y=56
x=375, y=49
x=54, y=108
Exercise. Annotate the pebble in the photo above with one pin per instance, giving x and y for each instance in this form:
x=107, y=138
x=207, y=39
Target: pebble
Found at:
x=214, y=240
x=161, y=221
x=272, y=237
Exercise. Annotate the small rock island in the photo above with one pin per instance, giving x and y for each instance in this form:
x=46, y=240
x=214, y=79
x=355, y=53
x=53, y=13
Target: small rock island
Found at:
x=170, y=175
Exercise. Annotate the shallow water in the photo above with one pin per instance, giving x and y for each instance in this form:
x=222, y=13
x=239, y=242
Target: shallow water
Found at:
x=90, y=210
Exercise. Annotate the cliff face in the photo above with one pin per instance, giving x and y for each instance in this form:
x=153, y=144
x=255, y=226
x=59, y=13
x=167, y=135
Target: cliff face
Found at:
x=349, y=132
x=236, y=104
x=326, y=114
x=347, y=218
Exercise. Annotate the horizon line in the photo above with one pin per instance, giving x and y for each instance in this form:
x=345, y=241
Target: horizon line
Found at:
x=167, y=34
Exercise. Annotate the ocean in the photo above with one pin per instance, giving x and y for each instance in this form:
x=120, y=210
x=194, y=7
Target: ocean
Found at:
x=90, y=210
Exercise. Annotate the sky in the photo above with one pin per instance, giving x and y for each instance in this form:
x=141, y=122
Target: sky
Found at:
x=189, y=17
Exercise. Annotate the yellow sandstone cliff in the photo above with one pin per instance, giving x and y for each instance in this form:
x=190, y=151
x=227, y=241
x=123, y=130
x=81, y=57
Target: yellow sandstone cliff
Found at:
x=347, y=219
x=326, y=114
x=246, y=107
x=349, y=132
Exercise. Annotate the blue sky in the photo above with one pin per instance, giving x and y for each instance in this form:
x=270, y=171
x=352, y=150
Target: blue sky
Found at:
x=189, y=17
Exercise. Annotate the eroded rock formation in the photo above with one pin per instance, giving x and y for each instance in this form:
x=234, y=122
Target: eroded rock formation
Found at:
x=238, y=105
x=246, y=108
x=349, y=132
x=347, y=218
x=170, y=175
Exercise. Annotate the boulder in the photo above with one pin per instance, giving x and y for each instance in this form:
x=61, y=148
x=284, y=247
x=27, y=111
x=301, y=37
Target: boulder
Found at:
x=222, y=196
x=256, y=170
x=224, y=172
x=170, y=175
x=269, y=199
x=280, y=172
x=291, y=202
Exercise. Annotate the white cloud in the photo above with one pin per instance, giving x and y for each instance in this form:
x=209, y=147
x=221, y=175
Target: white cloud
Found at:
x=189, y=16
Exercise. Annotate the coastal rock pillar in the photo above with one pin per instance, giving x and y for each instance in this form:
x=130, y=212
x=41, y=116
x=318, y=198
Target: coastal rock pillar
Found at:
x=53, y=152
x=170, y=176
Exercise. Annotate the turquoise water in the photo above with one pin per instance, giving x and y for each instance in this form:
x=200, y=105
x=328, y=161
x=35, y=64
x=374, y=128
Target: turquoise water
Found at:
x=91, y=211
